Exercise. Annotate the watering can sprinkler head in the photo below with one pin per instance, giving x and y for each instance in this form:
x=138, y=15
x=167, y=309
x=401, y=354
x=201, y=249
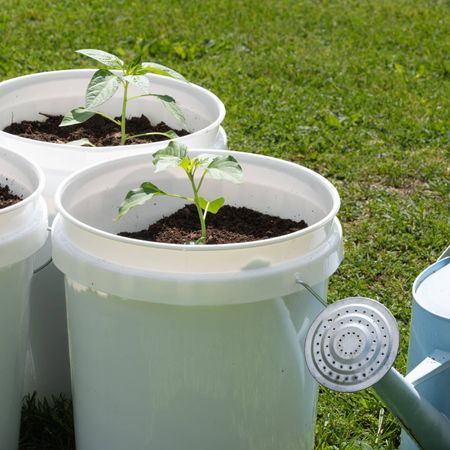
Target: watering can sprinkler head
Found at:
x=351, y=346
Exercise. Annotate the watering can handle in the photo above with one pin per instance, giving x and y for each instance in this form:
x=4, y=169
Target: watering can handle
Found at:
x=445, y=254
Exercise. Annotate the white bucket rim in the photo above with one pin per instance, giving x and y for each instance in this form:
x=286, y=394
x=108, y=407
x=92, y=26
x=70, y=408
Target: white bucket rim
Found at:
x=40, y=181
x=199, y=248
x=61, y=73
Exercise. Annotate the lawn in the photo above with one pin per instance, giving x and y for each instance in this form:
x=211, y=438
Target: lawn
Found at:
x=358, y=91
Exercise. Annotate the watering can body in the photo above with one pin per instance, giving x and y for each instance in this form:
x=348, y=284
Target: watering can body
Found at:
x=429, y=345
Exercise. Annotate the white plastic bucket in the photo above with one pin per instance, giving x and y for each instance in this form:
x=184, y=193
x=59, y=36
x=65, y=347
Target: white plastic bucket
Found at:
x=23, y=230
x=193, y=347
x=58, y=92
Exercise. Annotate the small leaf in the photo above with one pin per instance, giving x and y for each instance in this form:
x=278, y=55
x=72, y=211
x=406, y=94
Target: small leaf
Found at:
x=172, y=134
x=399, y=68
x=213, y=206
x=76, y=116
x=225, y=168
x=139, y=196
x=333, y=121
x=170, y=103
x=81, y=142
x=171, y=156
x=158, y=69
x=101, y=88
x=186, y=164
x=112, y=61
x=140, y=81
x=135, y=66
x=204, y=160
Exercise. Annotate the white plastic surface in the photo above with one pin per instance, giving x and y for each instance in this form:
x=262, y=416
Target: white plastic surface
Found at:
x=152, y=376
x=58, y=92
x=193, y=347
x=21, y=225
x=23, y=230
x=88, y=202
x=14, y=304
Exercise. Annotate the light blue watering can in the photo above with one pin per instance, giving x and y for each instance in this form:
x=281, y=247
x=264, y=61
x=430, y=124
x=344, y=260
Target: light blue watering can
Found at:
x=353, y=343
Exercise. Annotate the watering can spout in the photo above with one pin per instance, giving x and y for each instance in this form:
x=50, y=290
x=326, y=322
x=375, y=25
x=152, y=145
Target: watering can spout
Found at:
x=353, y=344
x=424, y=423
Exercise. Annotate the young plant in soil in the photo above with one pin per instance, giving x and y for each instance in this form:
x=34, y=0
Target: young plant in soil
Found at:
x=175, y=155
x=105, y=83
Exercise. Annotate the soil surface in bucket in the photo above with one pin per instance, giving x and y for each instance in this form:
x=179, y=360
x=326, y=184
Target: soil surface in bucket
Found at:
x=230, y=225
x=99, y=131
x=7, y=198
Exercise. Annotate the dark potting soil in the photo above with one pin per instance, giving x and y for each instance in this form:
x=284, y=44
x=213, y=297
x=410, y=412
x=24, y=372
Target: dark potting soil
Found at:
x=7, y=198
x=230, y=225
x=100, y=131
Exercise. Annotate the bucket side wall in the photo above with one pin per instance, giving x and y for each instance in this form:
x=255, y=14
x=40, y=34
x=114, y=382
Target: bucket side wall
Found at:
x=189, y=377
x=14, y=317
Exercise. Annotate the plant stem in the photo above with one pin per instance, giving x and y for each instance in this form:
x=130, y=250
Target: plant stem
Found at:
x=199, y=210
x=156, y=133
x=123, y=135
x=108, y=117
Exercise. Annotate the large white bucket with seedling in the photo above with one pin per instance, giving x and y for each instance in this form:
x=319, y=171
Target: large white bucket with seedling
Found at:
x=23, y=230
x=58, y=92
x=184, y=347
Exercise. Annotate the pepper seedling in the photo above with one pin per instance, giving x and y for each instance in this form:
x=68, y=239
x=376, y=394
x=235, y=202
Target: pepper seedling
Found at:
x=175, y=154
x=105, y=83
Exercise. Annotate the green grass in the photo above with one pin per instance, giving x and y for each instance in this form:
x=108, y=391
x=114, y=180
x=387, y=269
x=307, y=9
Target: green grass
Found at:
x=355, y=90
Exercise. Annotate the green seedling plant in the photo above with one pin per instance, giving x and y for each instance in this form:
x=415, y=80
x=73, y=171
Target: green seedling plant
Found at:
x=224, y=167
x=105, y=83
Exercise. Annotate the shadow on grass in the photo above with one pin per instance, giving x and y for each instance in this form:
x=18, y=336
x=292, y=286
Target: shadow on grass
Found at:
x=46, y=425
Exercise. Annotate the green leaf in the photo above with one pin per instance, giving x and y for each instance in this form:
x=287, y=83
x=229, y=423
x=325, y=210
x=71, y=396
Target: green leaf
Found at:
x=172, y=134
x=170, y=103
x=140, y=81
x=332, y=121
x=101, y=88
x=171, y=156
x=139, y=196
x=213, y=206
x=158, y=69
x=76, y=116
x=135, y=66
x=112, y=61
x=81, y=142
x=169, y=135
x=204, y=160
x=225, y=168
x=186, y=164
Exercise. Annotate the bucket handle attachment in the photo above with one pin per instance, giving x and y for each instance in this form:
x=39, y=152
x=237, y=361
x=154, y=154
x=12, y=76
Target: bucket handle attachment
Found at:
x=311, y=291
x=44, y=265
